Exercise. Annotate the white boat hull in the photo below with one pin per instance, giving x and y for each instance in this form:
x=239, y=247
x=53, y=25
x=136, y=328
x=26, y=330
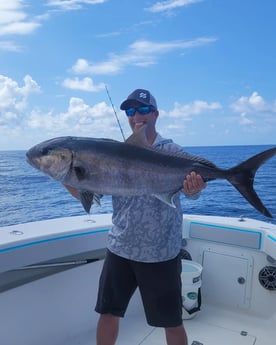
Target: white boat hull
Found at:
x=49, y=280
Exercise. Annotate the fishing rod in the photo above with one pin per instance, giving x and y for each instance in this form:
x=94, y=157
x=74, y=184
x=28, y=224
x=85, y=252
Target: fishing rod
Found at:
x=115, y=113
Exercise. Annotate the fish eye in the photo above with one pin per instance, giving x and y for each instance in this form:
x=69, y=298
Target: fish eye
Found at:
x=63, y=156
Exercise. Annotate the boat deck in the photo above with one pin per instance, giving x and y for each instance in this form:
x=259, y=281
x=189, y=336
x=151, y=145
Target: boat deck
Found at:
x=45, y=301
x=213, y=325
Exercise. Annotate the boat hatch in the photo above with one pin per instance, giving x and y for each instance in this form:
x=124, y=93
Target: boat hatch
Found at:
x=201, y=333
x=226, y=274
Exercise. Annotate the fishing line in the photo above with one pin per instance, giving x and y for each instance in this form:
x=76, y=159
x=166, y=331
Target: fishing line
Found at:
x=115, y=113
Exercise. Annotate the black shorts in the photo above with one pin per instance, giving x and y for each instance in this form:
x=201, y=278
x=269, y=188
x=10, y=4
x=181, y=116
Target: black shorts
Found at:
x=159, y=285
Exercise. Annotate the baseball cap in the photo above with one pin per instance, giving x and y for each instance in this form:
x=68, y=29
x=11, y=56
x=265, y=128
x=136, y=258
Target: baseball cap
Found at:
x=140, y=95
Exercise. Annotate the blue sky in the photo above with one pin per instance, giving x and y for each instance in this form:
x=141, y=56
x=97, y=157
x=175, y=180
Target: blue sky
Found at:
x=209, y=63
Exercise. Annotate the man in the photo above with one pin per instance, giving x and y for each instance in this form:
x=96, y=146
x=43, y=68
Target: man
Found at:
x=144, y=244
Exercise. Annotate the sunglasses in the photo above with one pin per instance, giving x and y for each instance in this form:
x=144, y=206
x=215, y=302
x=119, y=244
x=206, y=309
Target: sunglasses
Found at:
x=145, y=110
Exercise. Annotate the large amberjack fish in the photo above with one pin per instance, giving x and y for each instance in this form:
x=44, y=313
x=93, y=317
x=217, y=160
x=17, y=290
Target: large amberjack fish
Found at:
x=98, y=167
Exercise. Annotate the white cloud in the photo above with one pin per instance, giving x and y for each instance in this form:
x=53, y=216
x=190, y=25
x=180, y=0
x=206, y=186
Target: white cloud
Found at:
x=79, y=119
x=140, y=53
x=85, y=84
x=252, y=104
x=9, y=46
x=162, y=6
x=11, y=11
x=187, y=111
x=19, y=120
x=14, y=20
x=11, y=5
x=14, y=100
x=150, y=47
x=82, y=66
x=245, y=121
x=18, y=28
x=67, y=5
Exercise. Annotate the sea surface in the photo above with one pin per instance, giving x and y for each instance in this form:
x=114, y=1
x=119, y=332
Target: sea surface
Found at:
x=27, y=195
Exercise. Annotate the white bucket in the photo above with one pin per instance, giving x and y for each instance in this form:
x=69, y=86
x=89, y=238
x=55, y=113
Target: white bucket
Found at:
x=191, y=284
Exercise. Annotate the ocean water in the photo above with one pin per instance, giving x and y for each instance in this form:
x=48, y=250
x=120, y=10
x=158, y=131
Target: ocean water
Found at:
x=28, y=195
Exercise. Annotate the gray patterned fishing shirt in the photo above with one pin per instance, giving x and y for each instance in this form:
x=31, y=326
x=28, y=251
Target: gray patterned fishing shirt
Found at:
x=146, y=229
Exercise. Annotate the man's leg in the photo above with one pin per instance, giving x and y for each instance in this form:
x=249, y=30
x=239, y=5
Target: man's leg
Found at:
x=176, y=335
x=107, y=329
x=117, y=284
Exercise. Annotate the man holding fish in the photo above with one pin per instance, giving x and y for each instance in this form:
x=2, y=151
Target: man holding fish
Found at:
x=145, y=241
x=145, y=175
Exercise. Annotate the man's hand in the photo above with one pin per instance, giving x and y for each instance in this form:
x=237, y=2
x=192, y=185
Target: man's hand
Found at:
x=193, y=184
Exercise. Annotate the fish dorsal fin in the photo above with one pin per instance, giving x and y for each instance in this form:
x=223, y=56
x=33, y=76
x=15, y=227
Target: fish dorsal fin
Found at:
x=197, y=159
x=139, y=138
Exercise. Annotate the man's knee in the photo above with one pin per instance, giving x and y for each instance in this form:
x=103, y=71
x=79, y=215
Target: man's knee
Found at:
x=109, y=319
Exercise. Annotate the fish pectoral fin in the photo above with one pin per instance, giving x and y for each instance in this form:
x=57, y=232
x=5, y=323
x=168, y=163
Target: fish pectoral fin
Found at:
x=167, y=198
x=97, y=198
x=88, y=199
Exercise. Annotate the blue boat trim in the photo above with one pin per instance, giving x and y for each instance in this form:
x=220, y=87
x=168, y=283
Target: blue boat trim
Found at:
x=271, y=238
x=228, y=229
x=53, y=239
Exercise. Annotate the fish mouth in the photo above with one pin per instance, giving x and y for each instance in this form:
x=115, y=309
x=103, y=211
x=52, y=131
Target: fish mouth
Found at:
x=32, y=158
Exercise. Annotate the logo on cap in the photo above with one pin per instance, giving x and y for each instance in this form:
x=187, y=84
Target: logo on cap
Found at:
x=142, y=95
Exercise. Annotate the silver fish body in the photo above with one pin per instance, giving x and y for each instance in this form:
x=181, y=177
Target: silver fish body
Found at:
x=108, y=167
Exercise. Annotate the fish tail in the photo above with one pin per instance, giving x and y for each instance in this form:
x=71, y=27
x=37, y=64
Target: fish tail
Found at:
x=242, y=178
